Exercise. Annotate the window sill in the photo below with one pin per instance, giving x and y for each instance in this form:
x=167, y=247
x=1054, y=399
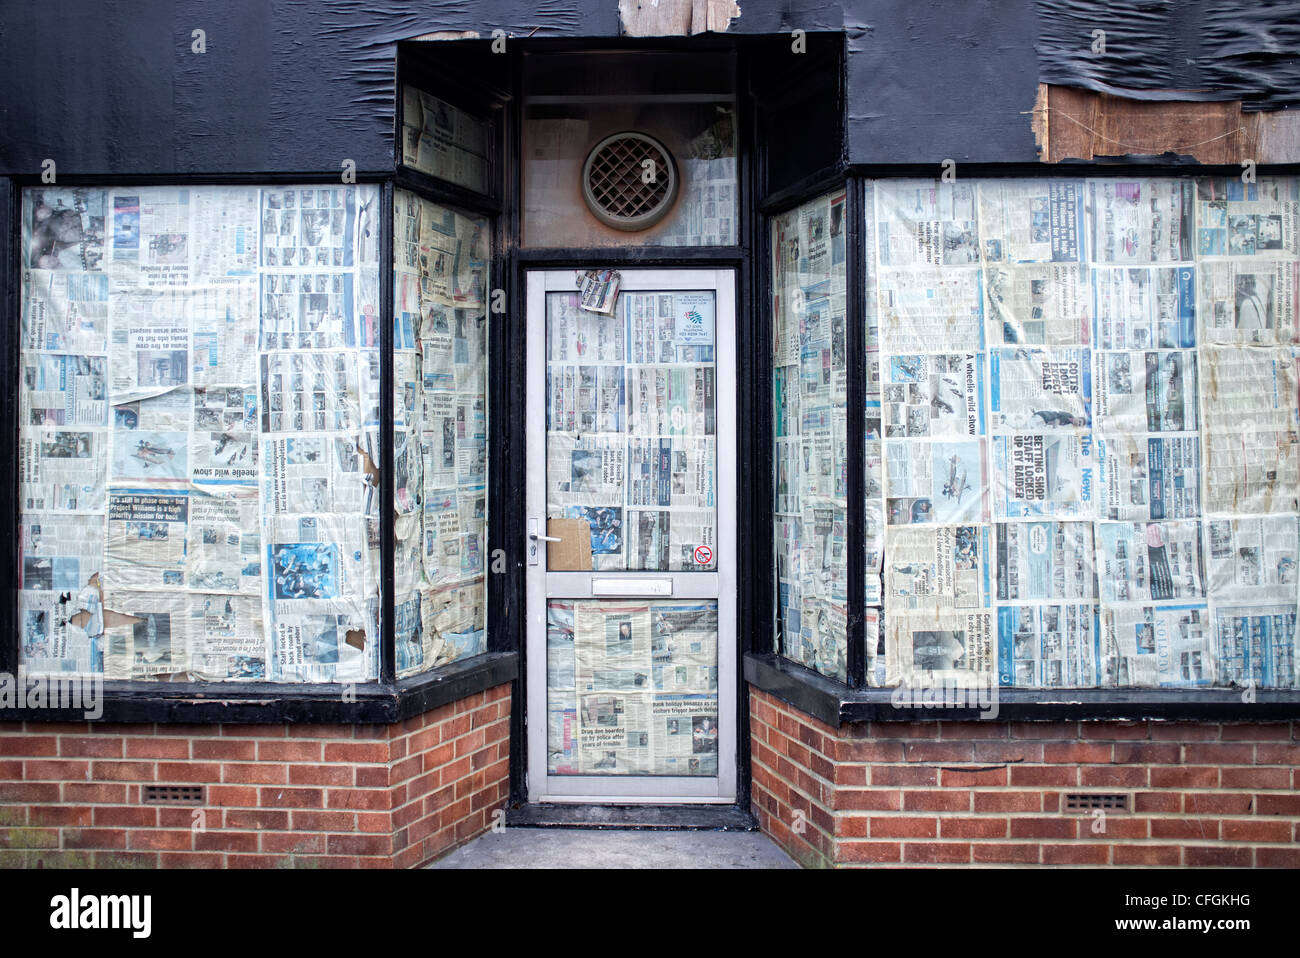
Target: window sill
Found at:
x=264, y=702
x=836, y=704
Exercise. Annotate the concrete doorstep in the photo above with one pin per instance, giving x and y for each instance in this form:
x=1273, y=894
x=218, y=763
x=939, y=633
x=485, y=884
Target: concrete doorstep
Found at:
x=517, y=847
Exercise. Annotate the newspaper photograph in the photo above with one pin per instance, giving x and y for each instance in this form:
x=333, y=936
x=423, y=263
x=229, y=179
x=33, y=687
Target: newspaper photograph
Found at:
x=1253, y=559
x=311, y=474
x=1038, y=304
x=940, y=396
x=1256, y=645
x=671, y=400
x=676, y=473
x=926, y=223
x=1149, y=477
x=154, y=236
x=223, y=550
x=309, y=392
x=583, y=399
x=64, y=390
x=1148, y=646
x=224, y=443
x=1252, y=301
x=1145, y=220
x=60, y=552
x=1044, y=561
x=145, y=544
x=943, y=647
x=153, y=641
x=1147, y=392
x=1259, y=219
x=593, y=469
x=684, y=646
x=1145, y=307
x=1050, y=645
x=575, y=335
x=62, y=470
x=1031, y=220
x=821, y=643
x=1048, y=475
x=304, y=228
x=1250, y=437
x=63, y=229
x=50, y=640
x=1040, y=389
x=944, y=567
x=149, y=348
x=934, y=482
x=308, y=310
x=226, y=638
x=1149, y=562
x=685, y=735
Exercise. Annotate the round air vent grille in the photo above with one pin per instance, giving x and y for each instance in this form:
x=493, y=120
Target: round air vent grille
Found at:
x=629, y=181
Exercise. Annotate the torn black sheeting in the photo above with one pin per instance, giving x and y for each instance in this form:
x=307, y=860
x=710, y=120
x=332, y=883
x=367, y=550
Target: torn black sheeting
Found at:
x=1174, y=49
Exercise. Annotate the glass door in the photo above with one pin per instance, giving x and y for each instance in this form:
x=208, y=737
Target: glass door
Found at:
x=631, y=539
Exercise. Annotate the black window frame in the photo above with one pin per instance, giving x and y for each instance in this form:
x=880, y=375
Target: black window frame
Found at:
x=387, y=699
x=836, y=703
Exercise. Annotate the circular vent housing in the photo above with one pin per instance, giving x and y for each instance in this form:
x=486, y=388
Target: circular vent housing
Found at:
x=629, y=181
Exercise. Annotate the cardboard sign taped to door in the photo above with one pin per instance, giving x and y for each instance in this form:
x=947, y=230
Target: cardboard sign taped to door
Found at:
x=573, y=552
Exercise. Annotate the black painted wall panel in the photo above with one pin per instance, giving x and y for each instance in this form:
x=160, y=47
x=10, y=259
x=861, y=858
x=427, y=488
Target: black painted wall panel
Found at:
x=111, y=86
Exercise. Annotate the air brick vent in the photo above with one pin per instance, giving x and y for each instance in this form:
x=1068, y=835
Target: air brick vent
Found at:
x=173, y=795
x=1091, y=801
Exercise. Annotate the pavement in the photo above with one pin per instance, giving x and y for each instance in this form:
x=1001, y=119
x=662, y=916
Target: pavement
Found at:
x=522, y=847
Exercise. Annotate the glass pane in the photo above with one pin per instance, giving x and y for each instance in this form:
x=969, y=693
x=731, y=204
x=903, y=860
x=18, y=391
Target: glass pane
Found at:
x=199, y=397
x=444, y=141
x=1088, y=394
x=810, y=419
x=632, y=687
x=631, y=446
x=439, y=432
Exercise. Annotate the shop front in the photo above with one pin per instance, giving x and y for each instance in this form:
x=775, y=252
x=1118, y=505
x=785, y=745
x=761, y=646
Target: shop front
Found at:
x=725, y=430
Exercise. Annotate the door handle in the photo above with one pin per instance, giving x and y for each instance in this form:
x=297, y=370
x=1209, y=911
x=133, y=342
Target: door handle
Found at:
x=535, y=537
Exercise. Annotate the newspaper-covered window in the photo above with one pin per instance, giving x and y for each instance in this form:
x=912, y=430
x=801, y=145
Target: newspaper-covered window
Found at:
x=443, y=140
x=632, y=687
x=810, y=416
x=440, y=432
x=1083, y=417
x=199, y=411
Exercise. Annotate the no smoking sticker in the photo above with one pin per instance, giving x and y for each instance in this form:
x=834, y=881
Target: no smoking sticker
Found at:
x=703, y=555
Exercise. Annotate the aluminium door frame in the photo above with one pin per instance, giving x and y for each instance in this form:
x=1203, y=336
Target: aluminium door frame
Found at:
x=640, y=789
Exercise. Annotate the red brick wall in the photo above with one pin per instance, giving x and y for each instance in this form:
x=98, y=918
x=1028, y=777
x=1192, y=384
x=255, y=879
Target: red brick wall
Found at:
x=990, y=792
x=371, y=796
